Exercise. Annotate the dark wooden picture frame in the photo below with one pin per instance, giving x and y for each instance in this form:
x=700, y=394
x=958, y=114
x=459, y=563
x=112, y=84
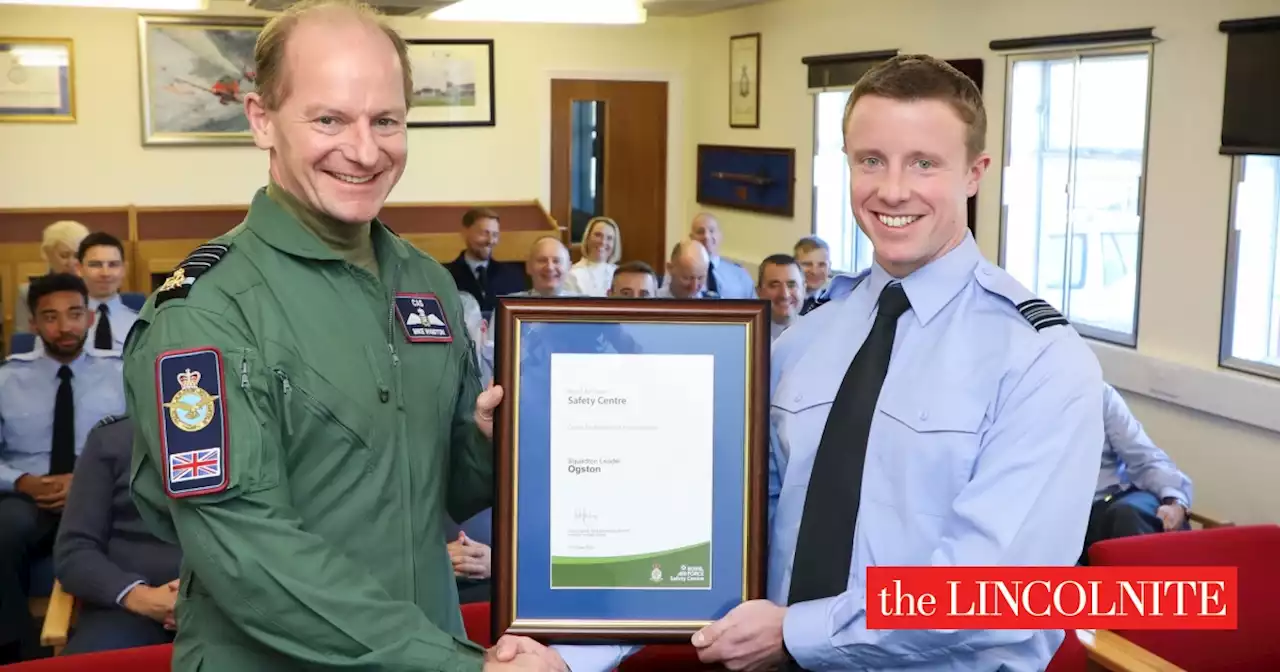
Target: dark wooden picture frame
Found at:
x=483, y=86
x=510, y=314
x=745, y=189
x=742, y=82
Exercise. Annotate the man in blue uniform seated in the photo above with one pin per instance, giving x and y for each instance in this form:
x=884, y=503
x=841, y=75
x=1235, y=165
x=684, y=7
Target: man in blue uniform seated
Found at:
x=933, y=412
x=101, y=258
x=1140, y=489
x=49, y=400
x=125, y=579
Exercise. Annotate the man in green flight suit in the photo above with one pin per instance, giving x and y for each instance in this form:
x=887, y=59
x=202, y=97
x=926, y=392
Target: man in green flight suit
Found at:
x=306, y=394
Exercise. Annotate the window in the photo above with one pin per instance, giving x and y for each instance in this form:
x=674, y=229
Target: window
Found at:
x=1251, y=320
x=832, y=214
x=1075, y=144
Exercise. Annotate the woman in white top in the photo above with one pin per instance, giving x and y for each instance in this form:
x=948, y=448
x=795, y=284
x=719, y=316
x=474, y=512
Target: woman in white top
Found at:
x=601, y=250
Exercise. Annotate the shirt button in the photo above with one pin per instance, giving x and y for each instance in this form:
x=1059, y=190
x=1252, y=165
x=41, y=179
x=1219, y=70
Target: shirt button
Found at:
x=384, y=395
x=799, y=398
x=924, y=415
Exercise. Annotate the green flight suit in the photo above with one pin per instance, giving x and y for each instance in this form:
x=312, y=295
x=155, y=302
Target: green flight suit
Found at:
x=346, y=446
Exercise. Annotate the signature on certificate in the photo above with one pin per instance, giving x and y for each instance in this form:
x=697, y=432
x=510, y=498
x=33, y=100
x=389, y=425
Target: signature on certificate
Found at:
x=585, y=516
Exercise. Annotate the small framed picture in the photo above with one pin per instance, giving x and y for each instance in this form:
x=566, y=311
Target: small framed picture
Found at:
x=37, y=79
x=196, y=71
x=744, y=81
x=453, y=83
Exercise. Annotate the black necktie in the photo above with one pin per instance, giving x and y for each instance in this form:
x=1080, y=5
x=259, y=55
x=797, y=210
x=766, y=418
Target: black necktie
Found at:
x=482, y=277
x=824, y=545
x=102, y=335
x=63, y=459
x=712, y=286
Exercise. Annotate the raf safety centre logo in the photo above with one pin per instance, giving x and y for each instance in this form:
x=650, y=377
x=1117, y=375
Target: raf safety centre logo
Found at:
x=423, y=318
x=193, y=421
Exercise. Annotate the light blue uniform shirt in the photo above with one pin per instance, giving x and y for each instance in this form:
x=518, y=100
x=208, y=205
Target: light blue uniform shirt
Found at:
x=983, y=451
x=1130, y=458
x=664, y=292
x=121, y=317
x=732, y=281
x=28, y=389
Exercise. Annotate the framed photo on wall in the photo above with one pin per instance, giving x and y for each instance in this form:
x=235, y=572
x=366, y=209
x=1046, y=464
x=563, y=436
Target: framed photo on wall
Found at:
x=37, y=79
x=453, y=83
x=744, y=81
x=196, y=71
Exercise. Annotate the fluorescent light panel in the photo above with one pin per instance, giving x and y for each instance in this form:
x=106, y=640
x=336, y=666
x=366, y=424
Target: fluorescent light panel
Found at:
x=544, y=11
x=167, y=5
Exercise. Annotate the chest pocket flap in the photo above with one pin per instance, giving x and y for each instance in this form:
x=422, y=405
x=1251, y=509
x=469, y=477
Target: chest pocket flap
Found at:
x=932, y=409
x=308, y=395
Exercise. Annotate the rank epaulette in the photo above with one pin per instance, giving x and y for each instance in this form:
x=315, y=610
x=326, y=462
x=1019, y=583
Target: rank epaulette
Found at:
x=110, y=420
x=184, y=276
x=1041, y=315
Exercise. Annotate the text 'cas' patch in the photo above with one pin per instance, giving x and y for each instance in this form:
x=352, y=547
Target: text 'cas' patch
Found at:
x=423, y=318
x=193, y=421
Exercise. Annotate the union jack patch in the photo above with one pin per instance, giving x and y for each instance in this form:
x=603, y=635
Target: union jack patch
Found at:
x=193, y=421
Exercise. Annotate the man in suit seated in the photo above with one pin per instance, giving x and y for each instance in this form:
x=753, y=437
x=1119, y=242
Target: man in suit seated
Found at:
x=475, y=270
x=1140, y=489
x=125, y=579
x=49, y=400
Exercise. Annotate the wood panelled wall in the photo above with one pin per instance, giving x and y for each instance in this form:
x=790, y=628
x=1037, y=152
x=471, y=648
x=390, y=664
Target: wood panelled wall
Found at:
x=157, y=239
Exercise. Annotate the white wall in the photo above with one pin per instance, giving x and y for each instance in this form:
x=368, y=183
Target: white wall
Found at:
x=1233, y=464
x=100, y=159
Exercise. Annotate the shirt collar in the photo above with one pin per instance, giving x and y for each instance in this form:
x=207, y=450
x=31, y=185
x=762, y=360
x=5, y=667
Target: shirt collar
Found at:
x=52, y=365
x=111, y=302
x=933, y=285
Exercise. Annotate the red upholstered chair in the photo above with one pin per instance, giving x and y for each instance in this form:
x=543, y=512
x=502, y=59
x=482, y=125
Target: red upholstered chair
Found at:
x=475, y=619
x=1253, y=646
x=142, y=659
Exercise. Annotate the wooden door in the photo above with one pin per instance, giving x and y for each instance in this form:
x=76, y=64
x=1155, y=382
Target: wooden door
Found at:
x=631, y=121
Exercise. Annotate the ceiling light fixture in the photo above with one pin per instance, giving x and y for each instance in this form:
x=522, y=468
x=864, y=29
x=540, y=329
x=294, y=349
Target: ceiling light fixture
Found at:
x=163, y=5
x=544, y=11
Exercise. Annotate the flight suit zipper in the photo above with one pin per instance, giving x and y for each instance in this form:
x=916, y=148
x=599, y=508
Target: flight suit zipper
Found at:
x=286, y=388
x=384, y=392
x=397, y=381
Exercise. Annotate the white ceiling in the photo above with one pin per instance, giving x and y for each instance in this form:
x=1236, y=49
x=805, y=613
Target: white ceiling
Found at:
x=424, y=7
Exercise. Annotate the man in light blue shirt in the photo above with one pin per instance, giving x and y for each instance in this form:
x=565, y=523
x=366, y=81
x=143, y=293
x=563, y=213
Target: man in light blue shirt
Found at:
x=975, y=443
x=101, y=258
x=1140, y=490
x=687, y=272
x=49, y=400
x=725, y=279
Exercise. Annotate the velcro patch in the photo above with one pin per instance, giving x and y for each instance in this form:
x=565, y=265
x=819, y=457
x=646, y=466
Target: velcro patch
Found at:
x=1041, y=315
x=193, y=422
x=423, y=318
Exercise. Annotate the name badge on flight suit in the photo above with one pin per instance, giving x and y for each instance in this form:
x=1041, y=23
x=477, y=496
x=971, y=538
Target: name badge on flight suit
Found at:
x=193, y=421
x=423, y=318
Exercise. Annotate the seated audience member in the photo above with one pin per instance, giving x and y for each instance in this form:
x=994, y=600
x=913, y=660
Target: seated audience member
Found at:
x=814, y=257
x=475, y=271
x=601, y=250
x=59, y=246
x=687, y=272
x=49, y=400
x=1140, y=490
x=472, y=556
x=547, y=266
x=634, y=280
x=478, y=329
x=781, y=283
x=125, y=579
x=725, y=279
x=101, y=257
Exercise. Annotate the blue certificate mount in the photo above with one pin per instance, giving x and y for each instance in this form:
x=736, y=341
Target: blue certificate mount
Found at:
x=755, y=179
x=657, y=600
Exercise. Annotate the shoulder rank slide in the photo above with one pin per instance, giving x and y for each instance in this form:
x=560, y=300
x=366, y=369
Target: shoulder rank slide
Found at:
x=1041, y=315
x=193, y=421
x=200, y=260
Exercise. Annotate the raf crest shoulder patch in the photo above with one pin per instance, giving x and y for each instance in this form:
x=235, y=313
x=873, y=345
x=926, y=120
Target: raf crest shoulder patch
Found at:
x=1041, y=315
x=193, y=421
x=423, y=318
x=178, y=285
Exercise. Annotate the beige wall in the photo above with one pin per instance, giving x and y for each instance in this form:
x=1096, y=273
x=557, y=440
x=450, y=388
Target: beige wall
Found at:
x=1233, y=464
x=100, y=159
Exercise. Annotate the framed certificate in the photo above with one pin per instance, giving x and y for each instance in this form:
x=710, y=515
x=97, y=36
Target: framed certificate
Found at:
x=631, y=466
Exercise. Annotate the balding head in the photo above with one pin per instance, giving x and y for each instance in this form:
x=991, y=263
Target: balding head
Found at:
x=547, y=265
x=688, y=269
x=706, y=230
x=332, y=107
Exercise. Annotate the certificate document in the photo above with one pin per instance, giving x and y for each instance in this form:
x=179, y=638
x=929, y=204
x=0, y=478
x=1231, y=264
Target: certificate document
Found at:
x=631, y=470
